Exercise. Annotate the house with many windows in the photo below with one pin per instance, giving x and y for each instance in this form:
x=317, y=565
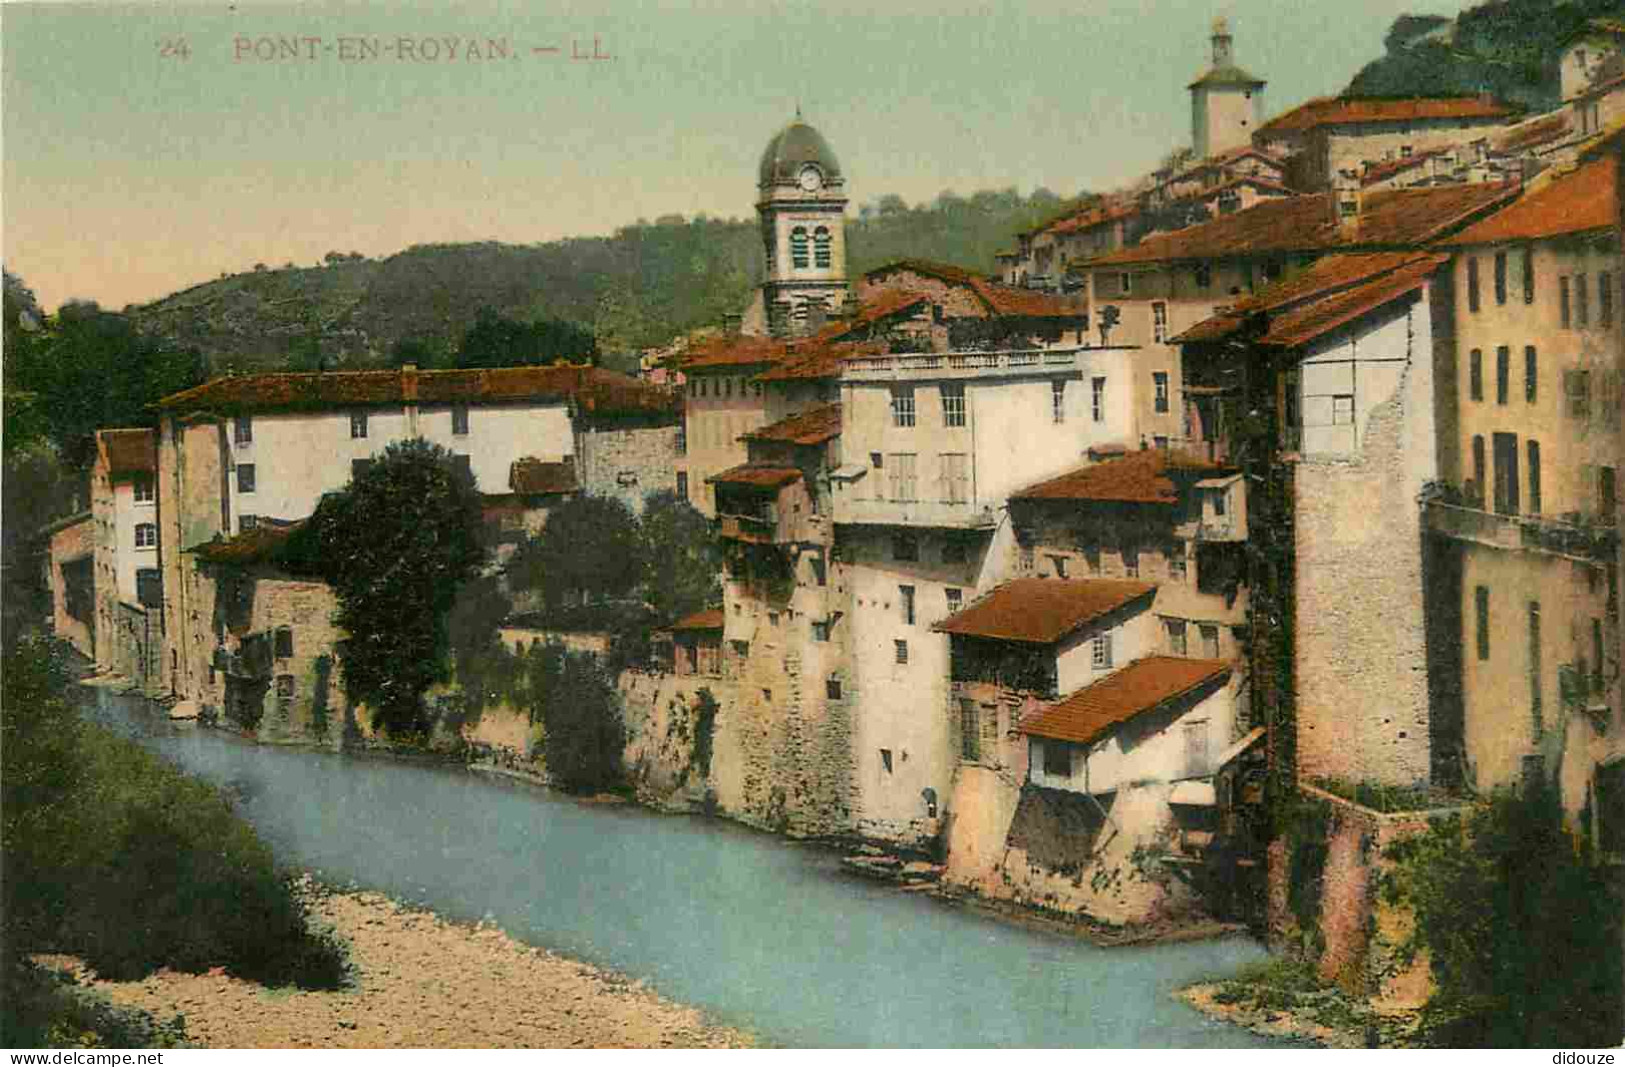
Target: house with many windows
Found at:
x=1531, y=452
x=128, y=587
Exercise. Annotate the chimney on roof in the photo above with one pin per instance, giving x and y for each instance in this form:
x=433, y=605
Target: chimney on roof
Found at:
x=1222, y=43
x=1346, y=203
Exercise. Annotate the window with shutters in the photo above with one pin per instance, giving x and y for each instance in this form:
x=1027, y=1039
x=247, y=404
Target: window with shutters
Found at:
x=1472, y=283
x=1503, y=373
x=1481, y=605
x=1564, y=313
x=1475, y=374
x=900, y=651
x=1176, y=636
x=900, y=468
x=1097, y=399
x=1500, y=277
x=1528, y=275
x=1531, y=376
x=1532, y=457
x=1582, y=301
x=1159, y=322
x=1057, y=401
x=955, y=470
x=798, y=248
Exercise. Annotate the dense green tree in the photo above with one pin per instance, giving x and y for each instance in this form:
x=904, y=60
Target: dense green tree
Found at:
x=497, y=341
x=1519, y=923
x=580, y=712
x=90, y=369
x=682, y=557
x=396, y=544
x=590, y=550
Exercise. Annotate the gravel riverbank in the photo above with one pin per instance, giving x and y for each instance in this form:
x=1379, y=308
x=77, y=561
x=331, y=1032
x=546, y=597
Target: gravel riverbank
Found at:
x=421, y=982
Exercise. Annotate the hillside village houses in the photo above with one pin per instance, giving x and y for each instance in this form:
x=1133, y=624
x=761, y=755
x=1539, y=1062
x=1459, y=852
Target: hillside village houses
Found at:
x=1019, y=573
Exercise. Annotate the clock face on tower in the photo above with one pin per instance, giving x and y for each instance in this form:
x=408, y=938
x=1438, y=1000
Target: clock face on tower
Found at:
x=810, y=178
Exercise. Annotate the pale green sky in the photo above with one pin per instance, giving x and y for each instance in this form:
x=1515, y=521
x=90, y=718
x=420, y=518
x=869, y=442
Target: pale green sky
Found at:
x=129, y=173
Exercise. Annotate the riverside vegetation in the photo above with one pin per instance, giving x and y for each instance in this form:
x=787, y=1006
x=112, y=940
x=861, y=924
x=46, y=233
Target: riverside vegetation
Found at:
x=115, y=856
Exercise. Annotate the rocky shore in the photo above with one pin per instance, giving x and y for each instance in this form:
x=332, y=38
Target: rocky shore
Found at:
x=419, y=981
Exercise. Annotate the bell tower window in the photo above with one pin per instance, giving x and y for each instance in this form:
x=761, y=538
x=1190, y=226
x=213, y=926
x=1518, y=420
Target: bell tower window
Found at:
x=821, y=254
x=798, y=248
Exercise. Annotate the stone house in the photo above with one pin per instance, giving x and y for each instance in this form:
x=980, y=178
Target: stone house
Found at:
x=240, y=452
x=129, y=591
x=968, y=311
x=1329, y=136
x=71, y=577
x=1164, y=286
x=1530, y=443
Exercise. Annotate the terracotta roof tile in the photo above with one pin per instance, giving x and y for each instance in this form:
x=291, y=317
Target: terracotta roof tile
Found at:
x=733, y=351
x=1326, y=277
x=1089, y=218
x=810, y=360
x=1342, y=110
x=1135, y=478
x=760, y=476
x=1576, y=202
x=129, y=452
x=1389, y=218
x=1387, y=169
x=1305, y=322
x=709, y=619
x=529, y=476
x=1534, y=132
x=1011, y=302
x=1042, y=610
x=945, y=271
x=812, y=427
x=595, y=389
x=1143, y=685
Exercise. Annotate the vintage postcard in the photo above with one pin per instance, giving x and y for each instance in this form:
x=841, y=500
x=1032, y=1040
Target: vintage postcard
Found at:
x=764, y=524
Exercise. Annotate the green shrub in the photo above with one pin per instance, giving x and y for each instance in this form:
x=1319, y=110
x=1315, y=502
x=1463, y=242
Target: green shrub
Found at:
x=114, y=855
x=574, y=698
x=1521, y=929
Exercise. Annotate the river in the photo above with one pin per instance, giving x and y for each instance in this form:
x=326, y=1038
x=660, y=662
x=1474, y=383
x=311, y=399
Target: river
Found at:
x=762, y=933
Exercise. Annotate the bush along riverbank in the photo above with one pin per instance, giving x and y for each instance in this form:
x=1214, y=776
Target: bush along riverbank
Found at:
x=116, y=856
x=417, y=981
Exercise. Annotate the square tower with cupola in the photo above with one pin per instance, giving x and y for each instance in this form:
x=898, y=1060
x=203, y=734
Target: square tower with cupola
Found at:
x=1227, y=103
x=802, y=206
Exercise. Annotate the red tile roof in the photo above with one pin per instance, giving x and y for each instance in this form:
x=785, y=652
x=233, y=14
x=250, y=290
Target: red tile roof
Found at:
x=1534, y=132
x=1042, y=610
x=1089, y=218
x=1344, y=110
x=998, y=299
x=812, y=427
x=129, y=452
x=1576, y=202
x=1388, y=218
x=709, y=619
x=529, y=476
x=595, y=390
x=733, y=351
x=811, y=359
x=931, y=268
x=1333, y=291
x=760, y=476
x=1387, y=169
x=1136, y=478
x=1145, y=684
x=1305, y=322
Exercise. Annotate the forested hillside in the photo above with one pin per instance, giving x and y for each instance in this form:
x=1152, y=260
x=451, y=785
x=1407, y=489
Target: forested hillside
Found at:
x=1507, y=47
x=637, y=288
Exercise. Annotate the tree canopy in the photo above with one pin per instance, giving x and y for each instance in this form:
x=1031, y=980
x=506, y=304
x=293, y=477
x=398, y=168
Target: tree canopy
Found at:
x=589, y=551
x=683, y=557
x=395, y=544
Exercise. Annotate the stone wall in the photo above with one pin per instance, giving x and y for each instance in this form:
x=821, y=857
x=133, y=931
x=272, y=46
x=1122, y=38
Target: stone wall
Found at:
x=1361, y=650
x=1356, y=935
x=628, y=461
x=72, y=556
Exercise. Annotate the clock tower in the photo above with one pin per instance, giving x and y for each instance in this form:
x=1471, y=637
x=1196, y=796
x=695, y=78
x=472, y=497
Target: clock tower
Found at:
x=801, y=201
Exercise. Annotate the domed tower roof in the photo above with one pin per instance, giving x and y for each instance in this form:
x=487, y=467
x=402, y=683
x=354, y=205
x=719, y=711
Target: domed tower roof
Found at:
x=793, y=147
